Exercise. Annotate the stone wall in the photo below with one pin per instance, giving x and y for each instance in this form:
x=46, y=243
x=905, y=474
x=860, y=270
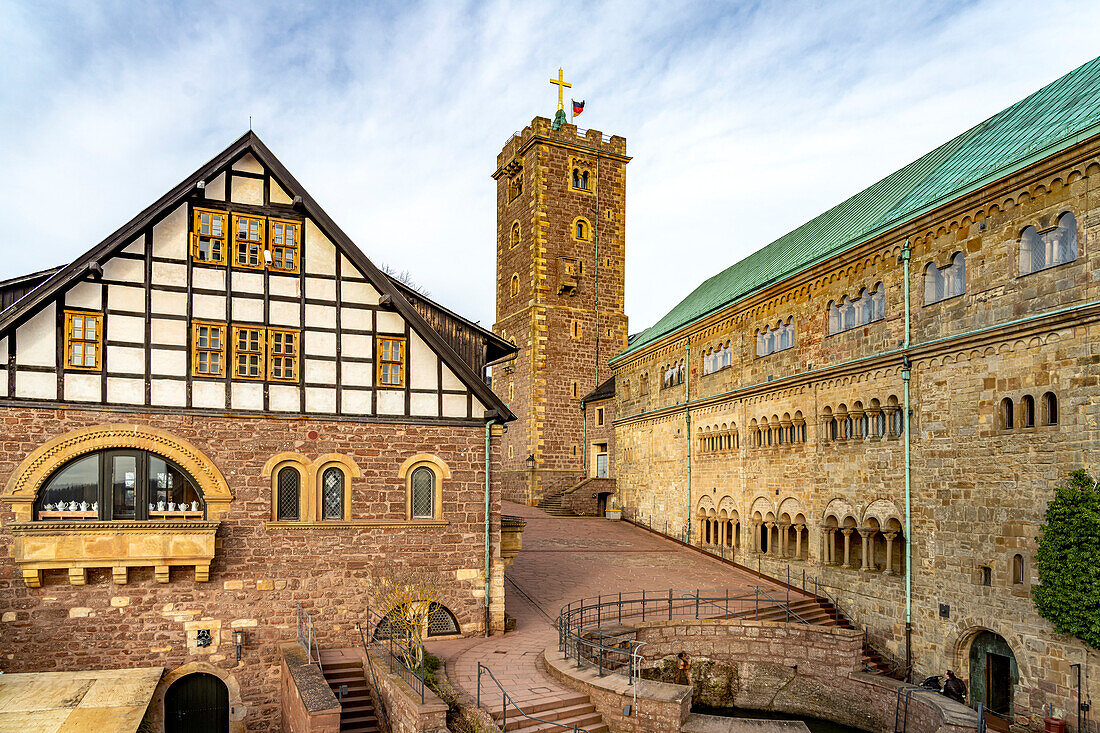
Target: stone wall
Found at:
x=405, y=711
x=584, y=499
x=306, y=702
x=979, y=491
x=261, y=570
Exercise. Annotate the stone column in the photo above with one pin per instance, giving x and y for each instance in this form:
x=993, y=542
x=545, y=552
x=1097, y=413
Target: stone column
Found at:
x=868, y=536
x=798, y=540
x=771, y=542
x=847, y=546
x=754, y=546
x=889, y=552
x=827, y=546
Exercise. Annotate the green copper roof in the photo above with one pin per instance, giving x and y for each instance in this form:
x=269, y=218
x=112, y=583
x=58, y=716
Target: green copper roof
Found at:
x=1057, y=116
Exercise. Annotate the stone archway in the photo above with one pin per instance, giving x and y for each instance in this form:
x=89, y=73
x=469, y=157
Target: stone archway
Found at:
x=237, y=709
x=993, y=672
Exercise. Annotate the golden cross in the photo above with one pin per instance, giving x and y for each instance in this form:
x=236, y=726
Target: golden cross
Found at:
x=562, y=83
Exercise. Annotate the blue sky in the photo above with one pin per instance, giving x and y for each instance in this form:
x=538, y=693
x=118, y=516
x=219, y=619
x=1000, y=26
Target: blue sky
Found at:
x=744, y=119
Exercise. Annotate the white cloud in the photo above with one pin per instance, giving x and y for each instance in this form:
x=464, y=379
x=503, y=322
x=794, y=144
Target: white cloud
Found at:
x=744, y=120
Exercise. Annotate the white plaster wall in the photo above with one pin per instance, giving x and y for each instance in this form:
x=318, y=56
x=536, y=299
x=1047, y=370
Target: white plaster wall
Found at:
x=36, y=385
x=277, y=193
x=356, y=318
x=170, y=235
x=4, y=371
x=248, y=164
x=136, y=247
x=320, y=399
x=85, y=295
x=170, y=273
x=356, y=374
x=323, y=316
x=284, y=314
x=318, y=289
x=454, y=405
x=125, y=359
x=215, y=189
x=247, y=191
x=36, y=341
x=173, y=363
x=320, y=253
x=317, y=343
x=424, y=405
x=208, y=278
x=357, y=345
x=208, y=394
x=284, y=398
x=388, y=322
x=357, y=292
x=248, y=282
x=391, y=402
x=248, y=396
x=124, y=270
x=83, y=387
x=168, y=392
x=450, y=381
x=208, y=306
x=423, y=364
x=126, y=391
x=348, y=269
x=168, y=332
x=355, y=401
x=126, y=298
x=285, y=285
x=166, y=302
x=126, y=328
x=320, y=372
x=248, y=309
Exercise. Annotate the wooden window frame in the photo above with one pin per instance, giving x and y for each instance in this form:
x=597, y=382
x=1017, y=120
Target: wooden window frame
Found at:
x=272, y=355
x=402, y=362
x=97, y=342
x=437, y=492
x=224, y=239
x=239, y=245
x=297, y=248
x=196, y=349
x=261, y=353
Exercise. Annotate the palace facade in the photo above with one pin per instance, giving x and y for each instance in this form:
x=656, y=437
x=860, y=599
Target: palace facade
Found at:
x=889, y=394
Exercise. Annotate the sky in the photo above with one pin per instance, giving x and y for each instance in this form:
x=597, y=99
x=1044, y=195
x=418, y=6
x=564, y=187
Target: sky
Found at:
x=744, y=119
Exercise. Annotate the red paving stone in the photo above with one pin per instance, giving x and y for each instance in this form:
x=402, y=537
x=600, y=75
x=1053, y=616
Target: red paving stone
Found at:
x=565, y=559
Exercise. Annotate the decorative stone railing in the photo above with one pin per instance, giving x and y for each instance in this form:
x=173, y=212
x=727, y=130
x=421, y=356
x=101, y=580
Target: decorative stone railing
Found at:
x=80, y=545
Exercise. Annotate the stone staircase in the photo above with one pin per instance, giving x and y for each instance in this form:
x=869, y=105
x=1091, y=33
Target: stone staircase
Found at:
x=566, y=712
x=552, y=504
x=357, y=714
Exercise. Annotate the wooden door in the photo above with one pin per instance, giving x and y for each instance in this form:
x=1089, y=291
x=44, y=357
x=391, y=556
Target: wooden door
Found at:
x=197, y=703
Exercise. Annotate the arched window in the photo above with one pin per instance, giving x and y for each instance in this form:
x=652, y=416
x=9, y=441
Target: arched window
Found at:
x=584, y=180
x=878, y=302
x=1017, y=569
x=1050, y=409
x=1007, y=417
x=580, y=229
x=946, y=283
x=515, y=235
x=289, y=485
x=1029, y=411
x=514, y=287
x=899, y=424
x=332, y=494
x=422, y=493
x=1056, y=246
x=119, y=484
x=440, y=621
x=933, y=284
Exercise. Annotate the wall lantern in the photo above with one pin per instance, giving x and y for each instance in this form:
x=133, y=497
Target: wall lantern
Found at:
x=238, y=639
x=530, y=462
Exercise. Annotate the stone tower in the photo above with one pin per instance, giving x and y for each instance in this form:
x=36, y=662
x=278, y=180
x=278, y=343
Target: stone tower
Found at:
x=561, y=253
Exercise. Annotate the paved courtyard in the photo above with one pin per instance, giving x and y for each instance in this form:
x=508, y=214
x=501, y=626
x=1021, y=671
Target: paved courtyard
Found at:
x=565, y=559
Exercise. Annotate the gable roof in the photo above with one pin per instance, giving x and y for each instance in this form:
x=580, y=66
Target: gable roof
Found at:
x=1061, y=114
x=603, y=392
x=251, y=143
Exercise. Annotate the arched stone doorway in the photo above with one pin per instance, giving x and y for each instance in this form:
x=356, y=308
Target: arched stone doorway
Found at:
x=195, y=702
x=993, y=673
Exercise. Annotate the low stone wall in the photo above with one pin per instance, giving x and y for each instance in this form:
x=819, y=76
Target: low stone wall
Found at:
x=306, y=702
x=403, y=707
x=655, y=706
x=583, y=499
x=799, y=669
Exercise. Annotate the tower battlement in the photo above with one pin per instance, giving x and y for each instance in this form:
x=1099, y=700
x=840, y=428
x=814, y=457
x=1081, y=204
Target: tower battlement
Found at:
x=569, y=135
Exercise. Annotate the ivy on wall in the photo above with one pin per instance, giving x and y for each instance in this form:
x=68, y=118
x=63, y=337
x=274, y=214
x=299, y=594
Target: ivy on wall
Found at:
x=1068, y=560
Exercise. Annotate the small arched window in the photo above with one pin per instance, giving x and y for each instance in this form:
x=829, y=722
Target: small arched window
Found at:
x=899, y=422
x=332, y=494
x=1056, y=246
x=289, y=486
x=1008, y=419
x=946, y=283
x=440, y=621
x=1029, y=411
x=1017, y=569
x=514, y=241
x=576, y=178
x=422, y=493
x=1050, y=409
x=513, y=289
x=581, y=229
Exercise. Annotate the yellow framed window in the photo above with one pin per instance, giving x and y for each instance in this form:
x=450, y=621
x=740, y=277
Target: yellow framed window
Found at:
x=209, y=231
x=283, y=355
x=285, y=244
x=248, y=353
x=248, y=241
x=208, y=349
x=391, y=361
x=83, y=340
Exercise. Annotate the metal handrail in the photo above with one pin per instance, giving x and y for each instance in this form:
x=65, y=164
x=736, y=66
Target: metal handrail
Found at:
x=896, y=665
x=305, y=637
x=383, y=716
x=787, y=606
x=506, y=698
x=405, y=654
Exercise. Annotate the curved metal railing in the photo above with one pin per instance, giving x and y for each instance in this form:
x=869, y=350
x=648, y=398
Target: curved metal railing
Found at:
x=506, y=699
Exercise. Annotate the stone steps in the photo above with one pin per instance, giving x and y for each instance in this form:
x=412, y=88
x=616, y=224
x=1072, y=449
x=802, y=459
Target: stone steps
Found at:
x=357, y=714
x=555, y=715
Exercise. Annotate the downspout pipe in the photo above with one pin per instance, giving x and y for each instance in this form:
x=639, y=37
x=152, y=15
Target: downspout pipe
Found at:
x=906, y=254
x=488, y=559
x=687, y=418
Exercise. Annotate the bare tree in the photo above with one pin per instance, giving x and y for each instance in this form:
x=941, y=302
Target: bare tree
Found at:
x=404, y=277
x=405, y=598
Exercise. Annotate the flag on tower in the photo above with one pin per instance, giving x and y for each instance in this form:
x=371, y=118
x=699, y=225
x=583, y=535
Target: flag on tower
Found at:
x=578, y=107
